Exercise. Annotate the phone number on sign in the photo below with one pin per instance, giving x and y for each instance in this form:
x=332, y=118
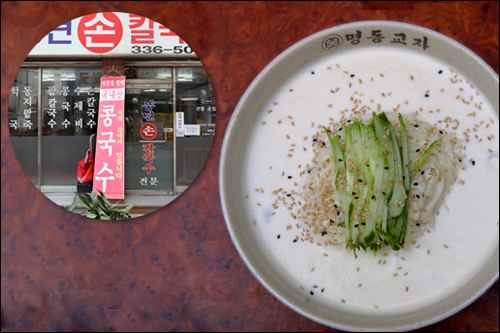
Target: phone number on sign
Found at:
x=160, y=49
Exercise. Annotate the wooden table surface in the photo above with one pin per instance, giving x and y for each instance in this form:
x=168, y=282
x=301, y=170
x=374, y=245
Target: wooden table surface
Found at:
x=176, y=269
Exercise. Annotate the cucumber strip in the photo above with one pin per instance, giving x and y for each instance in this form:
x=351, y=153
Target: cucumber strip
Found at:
x=397, y=231
x=338, y=159
x=387, y=138
x=365, y=172
x=398, y=191
x=424, y=155
x=379, y=175
x=348, y=197
x=405, y=154
x=373, y=182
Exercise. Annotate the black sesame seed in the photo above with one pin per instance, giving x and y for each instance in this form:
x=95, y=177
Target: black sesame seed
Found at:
x=440, y=72
x=314, y=140
x=386, y=168
x=340, y=129
x=383, y=193
x=363, y=223
x=426, y=95
x=356, y=225
x=473, y=162
x=295, y=240
x=349, y=120
x=308, y=171
x=331, y=221
x=418, y=150
x=416, y=126
x=415, y=184
x=340, y=160
x=440, y=132
x=360, y=180
x=312, y=73
x=312, y=293
x=353, y=193
x=422, y=172
x=324, y=144
x=335, y=206
x=373, y=197
x=460, y=160
x=418, y=196
x=418, y=224
x=352, y=75
x=356, y=197
x=288, y=195
x=338, y=213
x=324, y=233
x=279, y=236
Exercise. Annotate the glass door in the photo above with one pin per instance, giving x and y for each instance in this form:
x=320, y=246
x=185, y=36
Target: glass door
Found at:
x=149, y=138
x=195, y=101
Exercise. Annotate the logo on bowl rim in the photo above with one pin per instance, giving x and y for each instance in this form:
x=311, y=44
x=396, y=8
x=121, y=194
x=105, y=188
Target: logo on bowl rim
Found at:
x=331, y=42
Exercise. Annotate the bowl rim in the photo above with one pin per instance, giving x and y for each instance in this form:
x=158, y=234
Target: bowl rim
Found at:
x=225, y=160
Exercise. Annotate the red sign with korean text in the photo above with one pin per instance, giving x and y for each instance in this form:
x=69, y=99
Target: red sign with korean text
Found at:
x=101, y=32
x=109, y=169
x=114, y=34
x=148, y=131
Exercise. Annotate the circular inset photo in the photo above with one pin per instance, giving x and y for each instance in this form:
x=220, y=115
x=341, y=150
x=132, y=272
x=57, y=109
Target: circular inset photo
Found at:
x=112, y=106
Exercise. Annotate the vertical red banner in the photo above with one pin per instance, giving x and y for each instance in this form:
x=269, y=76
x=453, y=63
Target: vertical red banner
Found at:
x=109, y=170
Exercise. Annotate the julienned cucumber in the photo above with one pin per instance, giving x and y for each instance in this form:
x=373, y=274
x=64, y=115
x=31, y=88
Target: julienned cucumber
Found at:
x=373, y=182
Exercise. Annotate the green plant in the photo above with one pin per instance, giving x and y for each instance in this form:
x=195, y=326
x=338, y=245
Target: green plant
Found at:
x=101, y=208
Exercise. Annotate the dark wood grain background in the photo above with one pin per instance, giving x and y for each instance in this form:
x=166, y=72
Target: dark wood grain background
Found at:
x=176, y=269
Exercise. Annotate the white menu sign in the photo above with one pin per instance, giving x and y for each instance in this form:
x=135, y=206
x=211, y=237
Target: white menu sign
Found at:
x=192, y=130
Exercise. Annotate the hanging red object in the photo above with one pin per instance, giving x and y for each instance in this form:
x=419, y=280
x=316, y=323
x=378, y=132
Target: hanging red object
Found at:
x=85, y=173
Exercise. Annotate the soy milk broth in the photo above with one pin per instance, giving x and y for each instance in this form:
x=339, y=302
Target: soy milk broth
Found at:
x=465, y=233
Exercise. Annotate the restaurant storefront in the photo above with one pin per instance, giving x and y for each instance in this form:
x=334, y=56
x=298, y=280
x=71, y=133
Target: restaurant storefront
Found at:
x=169, y=105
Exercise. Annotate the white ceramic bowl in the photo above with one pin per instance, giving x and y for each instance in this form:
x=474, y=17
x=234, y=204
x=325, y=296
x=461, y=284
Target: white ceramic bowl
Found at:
x=319, y=45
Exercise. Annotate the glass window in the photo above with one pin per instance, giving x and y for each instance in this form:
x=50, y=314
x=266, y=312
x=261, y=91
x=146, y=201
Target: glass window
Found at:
x=196, y=103
x=156, y=73
x=149, y=160
x=23, y=120
x=70, y=104
x=70, y=100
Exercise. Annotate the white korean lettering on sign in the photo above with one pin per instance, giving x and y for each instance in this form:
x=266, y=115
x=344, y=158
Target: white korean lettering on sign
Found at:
x=107, y=114
x=148, y=131
x=104, y=179
x=101, y=32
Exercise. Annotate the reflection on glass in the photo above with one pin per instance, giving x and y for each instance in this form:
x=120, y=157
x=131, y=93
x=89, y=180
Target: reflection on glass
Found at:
x=195, y=100
x=70, y=100
x=23, y=120
x=52, y=143
x=149, y=142
x=70, y=104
